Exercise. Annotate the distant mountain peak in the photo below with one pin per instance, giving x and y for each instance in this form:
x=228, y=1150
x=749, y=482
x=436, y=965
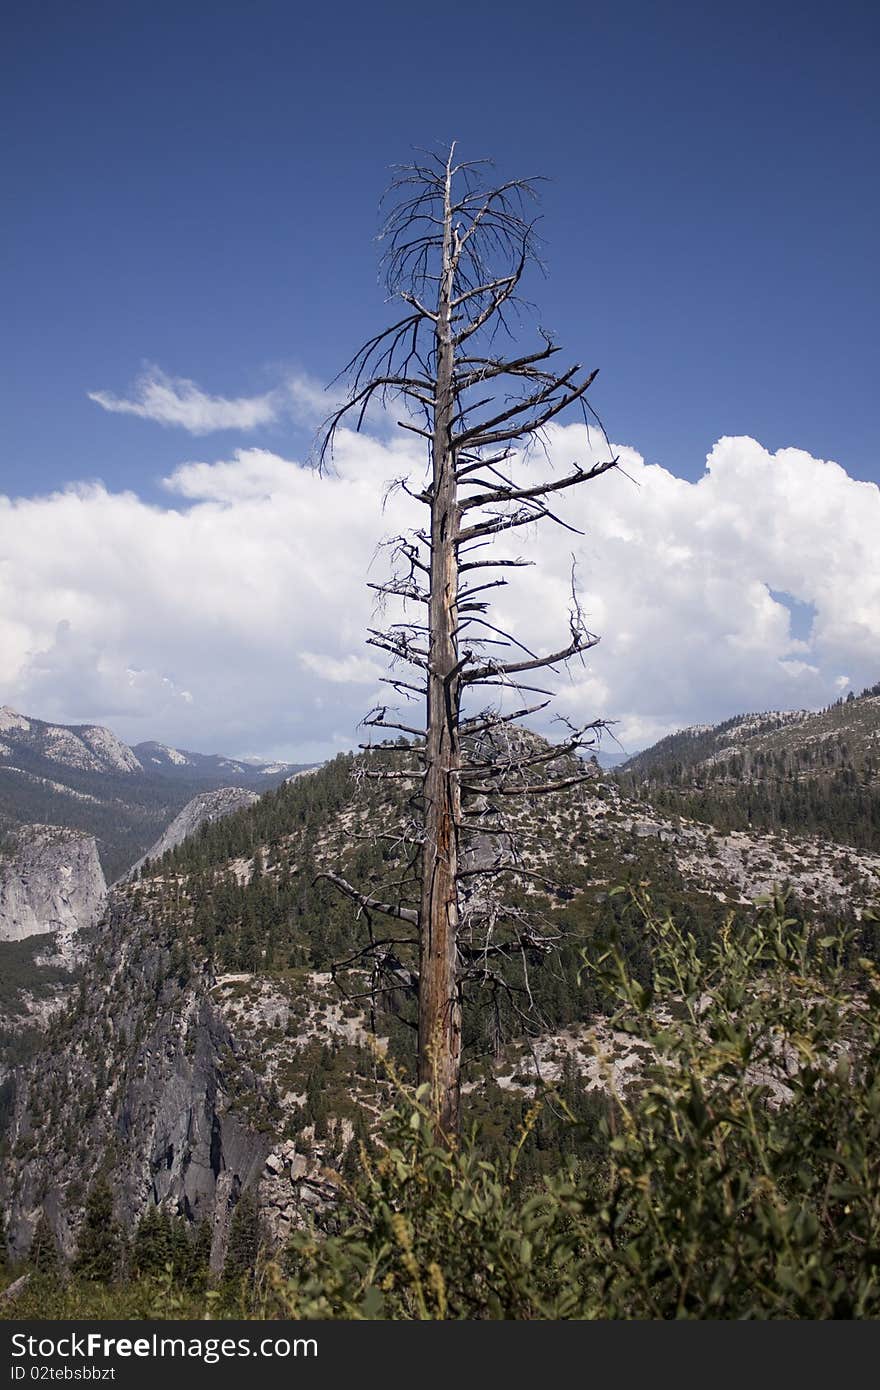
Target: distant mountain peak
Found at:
x=82, y=747
x=10, y=719
x=161, y=753
x=184, y=762
x=85, y=777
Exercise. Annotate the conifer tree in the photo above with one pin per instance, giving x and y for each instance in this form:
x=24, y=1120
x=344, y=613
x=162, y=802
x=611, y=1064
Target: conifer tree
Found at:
x=151, y=1249
x=201, y=1254
x=458, y=246
x=100, y=1247
x=44, y=1256
x=244, y=1239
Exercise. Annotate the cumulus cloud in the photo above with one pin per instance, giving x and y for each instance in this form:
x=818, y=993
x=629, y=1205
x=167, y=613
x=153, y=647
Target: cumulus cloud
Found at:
x=177, y=401
x=234, y=618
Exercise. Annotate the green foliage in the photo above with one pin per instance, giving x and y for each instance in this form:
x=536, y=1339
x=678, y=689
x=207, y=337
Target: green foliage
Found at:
x=739, y=1177
x=819, y=774
x=302, y=805
x=78, y=1300
x=430, y=1233
x=245, y=1239
x=743, y=1178
x=100, y=1248
x=44, y=1258
x=837, y=807
x=19, y=969
x=281, y=919
x=166, y=1244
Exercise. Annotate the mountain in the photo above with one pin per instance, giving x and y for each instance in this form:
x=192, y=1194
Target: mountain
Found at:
x=83, y=747
x=182, y=763
x=816, y=772
x=50, y=881
x=755, y=746
x=202, y=810
x=209, y=1050
x=84, y=778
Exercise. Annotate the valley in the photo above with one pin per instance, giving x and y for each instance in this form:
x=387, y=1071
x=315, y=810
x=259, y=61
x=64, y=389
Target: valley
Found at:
x=85, y=778
x=193, y=1033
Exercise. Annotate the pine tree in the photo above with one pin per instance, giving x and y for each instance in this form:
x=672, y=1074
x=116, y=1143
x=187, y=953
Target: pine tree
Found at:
x=201, y=1254
x=457, y=250
x=44, y=1257
x=181, y=1250
x=244, y=1239
x=152, y=1246
x=100, y=1249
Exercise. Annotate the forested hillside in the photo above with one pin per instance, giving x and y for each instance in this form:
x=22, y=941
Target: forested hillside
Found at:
x=812, y=774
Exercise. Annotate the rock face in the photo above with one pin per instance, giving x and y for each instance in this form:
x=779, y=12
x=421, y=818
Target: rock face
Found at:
x=204, y=808
x=50, y=881
x=83, y=776
x=186, y=1147
x=142, y=1067
x=85, y=747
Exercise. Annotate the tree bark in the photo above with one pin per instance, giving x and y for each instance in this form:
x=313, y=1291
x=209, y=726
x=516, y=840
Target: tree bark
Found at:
x=456, y=261
x=439, y=1003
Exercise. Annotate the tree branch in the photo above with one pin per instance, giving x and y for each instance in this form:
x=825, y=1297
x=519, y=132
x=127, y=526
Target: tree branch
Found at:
x=404, y=914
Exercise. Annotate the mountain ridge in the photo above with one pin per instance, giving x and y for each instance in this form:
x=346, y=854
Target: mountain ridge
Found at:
x=812, y=771
x=96, y=748
x=83, y=777
x=697, y=744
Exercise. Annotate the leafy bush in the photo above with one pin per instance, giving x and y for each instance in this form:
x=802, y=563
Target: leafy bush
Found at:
x=743, y=1178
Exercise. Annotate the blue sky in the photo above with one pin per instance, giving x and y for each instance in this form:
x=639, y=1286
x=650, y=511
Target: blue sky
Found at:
x=195, y=187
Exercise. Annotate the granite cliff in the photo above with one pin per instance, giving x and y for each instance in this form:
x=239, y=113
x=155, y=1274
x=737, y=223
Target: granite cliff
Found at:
x=50, y=881
x=201, y=810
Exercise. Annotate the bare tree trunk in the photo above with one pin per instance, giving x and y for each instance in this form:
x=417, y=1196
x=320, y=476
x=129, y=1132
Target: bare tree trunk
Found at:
x=439, y=1005
x=457, y=249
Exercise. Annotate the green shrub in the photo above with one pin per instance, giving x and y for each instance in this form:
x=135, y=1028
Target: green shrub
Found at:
x=743, y=1178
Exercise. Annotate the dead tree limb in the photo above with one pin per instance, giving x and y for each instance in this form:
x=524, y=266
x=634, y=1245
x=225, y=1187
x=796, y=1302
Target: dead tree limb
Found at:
x=457, y=249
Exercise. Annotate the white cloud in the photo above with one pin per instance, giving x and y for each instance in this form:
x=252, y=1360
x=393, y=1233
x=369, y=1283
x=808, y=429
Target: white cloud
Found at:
x=176, y=401
x=234, y=620
x=349, y=670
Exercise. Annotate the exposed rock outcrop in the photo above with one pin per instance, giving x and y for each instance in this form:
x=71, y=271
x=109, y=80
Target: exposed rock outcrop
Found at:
x=86, y=747
x=50, y=881
x=204, y=808
x=159, y=1105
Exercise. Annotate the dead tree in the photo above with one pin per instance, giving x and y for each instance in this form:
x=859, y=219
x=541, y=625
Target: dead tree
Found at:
x=457, y=250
